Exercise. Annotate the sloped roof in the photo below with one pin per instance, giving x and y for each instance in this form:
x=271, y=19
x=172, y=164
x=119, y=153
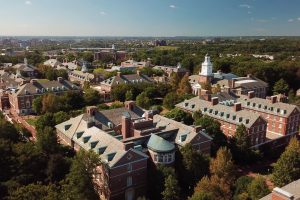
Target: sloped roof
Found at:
x=130, y=78
x=158, y=144
x=220, y=111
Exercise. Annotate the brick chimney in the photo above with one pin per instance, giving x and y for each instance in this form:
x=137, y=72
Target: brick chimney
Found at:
x=214, y=101
x=273, y=99
x=60, y=79
x=138, y=72
x=126, y=127
x=251, y=94
x=118, y=74
x=237, y=107
x=91, y=110
x=249, y=76
x=205, y=94
x=232, y=83
x=129, y=105
x=33, y=81
x=280, y=194
x=148, y=115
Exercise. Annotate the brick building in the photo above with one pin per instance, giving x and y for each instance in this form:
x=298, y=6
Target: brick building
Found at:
x=179, y=70
x=21, y=99
x=229, y=117
x=227, y=82
x=283, y=119
x=81, y=77
x=125, y=138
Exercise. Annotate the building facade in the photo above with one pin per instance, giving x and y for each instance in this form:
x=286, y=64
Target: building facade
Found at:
x=127, y=139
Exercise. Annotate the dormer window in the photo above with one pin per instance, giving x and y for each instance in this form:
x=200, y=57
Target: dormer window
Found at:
x=93, y=144
x=182, y=138
x=101, y=150
x=110, y=156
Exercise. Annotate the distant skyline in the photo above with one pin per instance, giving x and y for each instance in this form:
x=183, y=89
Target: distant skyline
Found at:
x=157, y=18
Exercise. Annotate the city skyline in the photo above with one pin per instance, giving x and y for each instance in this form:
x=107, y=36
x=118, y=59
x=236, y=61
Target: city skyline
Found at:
x=155, y=18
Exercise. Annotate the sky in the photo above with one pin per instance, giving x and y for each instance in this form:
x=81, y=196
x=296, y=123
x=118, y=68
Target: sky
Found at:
x=150, y=17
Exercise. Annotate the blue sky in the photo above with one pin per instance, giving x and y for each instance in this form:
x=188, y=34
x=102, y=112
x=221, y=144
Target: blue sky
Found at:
x=149, y=17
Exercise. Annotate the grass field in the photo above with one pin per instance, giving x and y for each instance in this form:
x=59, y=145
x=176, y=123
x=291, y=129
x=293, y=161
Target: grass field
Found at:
x=161, y=48
x=31, y=121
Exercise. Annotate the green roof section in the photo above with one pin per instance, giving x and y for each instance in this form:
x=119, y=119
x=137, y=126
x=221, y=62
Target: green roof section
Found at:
x=160, y=145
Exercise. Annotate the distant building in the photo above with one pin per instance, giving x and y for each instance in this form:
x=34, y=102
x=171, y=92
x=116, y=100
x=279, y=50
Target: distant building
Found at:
x=126, y=139
x=26, y=70
x=110, y=54
x=132, y=63
x=179, y=70
x=108, y=84
x=21, y=99
x=53, y=63
x=81, y=77
x=227, y=82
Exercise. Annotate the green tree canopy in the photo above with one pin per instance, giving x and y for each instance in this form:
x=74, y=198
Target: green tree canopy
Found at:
x=281, y=87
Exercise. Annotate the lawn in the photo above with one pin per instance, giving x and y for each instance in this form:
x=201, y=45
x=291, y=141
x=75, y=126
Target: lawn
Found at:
x=31, y=121
x=161, y=48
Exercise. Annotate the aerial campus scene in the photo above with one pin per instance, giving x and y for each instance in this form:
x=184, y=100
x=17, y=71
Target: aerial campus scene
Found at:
x=149, y=100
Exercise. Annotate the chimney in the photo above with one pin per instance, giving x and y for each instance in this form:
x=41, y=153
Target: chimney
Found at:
x=273, y=99
x=128, y=146
x=205, y=94
x=33, y=81
x=138, y=72
x=91, y=111
x=232, y=83
x=60, y=79
x=149, y=115
x=197, y=128
x=118, y=74
x=237, y=107
x=251, y=94
x=280, y=194
x=126, y=127
x=249, y=75
x=129, y=105
x=214, y=101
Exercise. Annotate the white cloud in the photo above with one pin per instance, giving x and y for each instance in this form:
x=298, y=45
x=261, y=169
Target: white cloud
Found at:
x=28, y=2
x=103, y=13
x=172, y=6
x=245, y=6
x=290, y=20
x=298, y=18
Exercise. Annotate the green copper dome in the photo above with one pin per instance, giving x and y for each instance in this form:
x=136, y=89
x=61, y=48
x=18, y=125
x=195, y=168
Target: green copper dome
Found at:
x=160, y=145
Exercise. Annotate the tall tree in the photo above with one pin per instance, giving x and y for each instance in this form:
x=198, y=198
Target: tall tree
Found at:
x=79, y=182
x=91, y=97
x=258, y=188
x=287, y=167
x=172, y=190
x=175, y=79
x=184, y=86
x=170, y=100
x=143, y=100
x=47, y=140
x=281, y=87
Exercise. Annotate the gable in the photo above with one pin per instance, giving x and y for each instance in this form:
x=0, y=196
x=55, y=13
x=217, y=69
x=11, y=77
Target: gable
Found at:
x=130, y=156
x=199, y=138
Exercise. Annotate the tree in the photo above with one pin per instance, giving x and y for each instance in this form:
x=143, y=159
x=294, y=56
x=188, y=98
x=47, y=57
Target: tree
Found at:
x=43, y=121
x=91, y=97
x=175, y=79
x=60, y=117
x=258, y=188
x=240, y=144
x=143, y=100
x=281, y=87
x=129, y=95
x=8, y=131
x=35, y=192
x=51, y=103
x=180, y=116
x=37, y=104
x=172, y=190
x=241, y=186
x=192, y=166
x=222, y=166
x=78, y=183
x=170, y=100
x=184, y=86
x=201, y=196
x=47, y=140
x=287, y=167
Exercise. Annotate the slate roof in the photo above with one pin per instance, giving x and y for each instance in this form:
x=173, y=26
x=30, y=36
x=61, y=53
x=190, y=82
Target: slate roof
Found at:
x=160, y=145
x=220, y=111
x=292, y=188
x=264, y=105
x=43, y=86
x=130, y=78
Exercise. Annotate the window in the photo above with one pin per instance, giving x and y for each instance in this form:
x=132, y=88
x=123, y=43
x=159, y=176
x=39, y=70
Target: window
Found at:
x=129, y=167
x=129, y=181
x=169, y=158
x=280, y=126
